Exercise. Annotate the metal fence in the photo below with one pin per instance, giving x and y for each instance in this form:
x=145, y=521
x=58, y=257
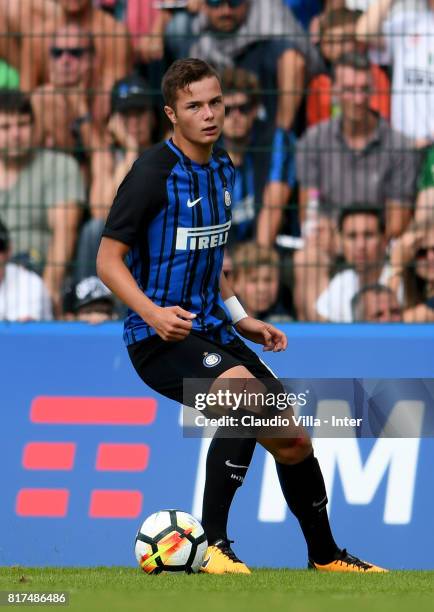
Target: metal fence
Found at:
x=329, y=123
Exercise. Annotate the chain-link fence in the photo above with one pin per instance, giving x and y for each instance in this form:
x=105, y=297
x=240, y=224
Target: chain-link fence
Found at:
x=329, y=123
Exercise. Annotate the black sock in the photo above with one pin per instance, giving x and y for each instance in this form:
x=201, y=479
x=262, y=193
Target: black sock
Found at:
x=226, y=465
x=304, y=490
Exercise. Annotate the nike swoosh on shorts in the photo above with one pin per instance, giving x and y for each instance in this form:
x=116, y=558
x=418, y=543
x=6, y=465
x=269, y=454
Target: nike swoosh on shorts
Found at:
x=232, y=465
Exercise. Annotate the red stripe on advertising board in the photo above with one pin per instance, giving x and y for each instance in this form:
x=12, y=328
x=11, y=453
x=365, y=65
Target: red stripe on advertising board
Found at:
x=122, y=457
x=42, y=502
x=62, y=410
x=115, y=504
x=49, y=456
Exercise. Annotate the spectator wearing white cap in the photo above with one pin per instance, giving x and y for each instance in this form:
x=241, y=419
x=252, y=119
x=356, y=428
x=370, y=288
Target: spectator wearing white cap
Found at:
x=93, y=302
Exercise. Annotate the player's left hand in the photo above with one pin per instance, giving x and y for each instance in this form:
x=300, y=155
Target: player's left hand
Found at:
x=262, y=333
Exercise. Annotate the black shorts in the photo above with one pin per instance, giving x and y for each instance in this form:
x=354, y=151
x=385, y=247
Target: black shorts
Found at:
x=164, y=365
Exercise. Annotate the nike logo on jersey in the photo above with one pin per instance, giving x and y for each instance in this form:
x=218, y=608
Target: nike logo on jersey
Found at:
x=190, y=204
x=232, y=465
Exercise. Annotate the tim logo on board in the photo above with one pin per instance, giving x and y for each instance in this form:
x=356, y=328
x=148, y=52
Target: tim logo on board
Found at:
x=394, y=460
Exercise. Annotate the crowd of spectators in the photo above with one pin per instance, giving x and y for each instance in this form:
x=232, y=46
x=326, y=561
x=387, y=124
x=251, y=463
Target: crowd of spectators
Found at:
x=329, y=124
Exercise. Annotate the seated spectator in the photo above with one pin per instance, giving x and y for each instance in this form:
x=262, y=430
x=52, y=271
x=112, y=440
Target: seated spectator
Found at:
x=338, y=37
x=41, y=194
x=112, y=50
x=23, y=296
x=425, y=198
x=364, y=251
x=62, y=107
x=352, y=158
x=412, y=261
x=370, y=161
x=93, y=301
x=265, y=38
x=376, y=304
x=264, y=176
x=256, y=281
x=407, y=30
x=129, y=133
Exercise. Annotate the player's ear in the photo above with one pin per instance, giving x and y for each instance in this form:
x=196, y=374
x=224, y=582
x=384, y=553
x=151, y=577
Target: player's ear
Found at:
x=171, y=114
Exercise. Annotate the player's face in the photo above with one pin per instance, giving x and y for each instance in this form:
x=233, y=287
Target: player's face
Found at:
x=354, y=90
x=15, y=135
x=381, y=308
x=363, y=243
x=240, y=115
x=199, y=114
x=70, y=60
x=225, y=18
x=425, y=258
x=258, y=289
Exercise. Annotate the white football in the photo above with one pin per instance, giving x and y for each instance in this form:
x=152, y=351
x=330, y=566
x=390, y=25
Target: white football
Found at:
x=170, y=541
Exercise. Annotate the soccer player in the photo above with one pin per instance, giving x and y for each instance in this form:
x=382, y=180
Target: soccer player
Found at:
x=170, y=220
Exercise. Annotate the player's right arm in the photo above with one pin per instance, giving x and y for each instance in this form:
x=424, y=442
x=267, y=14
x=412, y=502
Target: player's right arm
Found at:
x=171, y=324
x=139, y=197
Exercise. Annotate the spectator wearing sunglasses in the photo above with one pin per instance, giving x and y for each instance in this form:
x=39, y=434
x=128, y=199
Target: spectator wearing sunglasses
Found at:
x=264, y=37
x=412, y=260
x=62, y=107
x=112, y=50
x=23, y=296
x=264, y=177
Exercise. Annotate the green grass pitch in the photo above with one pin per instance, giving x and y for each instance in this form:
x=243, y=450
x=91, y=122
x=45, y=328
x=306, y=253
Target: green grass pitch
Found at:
x=266, y=590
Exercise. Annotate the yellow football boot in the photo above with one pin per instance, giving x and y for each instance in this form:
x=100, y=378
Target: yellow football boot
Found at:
x=345, y=562
x=221, y=559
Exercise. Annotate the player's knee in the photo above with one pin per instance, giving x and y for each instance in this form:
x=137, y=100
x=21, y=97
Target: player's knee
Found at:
x=293, y=450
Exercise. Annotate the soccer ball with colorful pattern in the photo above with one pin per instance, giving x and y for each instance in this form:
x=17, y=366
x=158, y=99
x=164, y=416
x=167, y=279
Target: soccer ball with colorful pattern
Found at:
x=170, y=541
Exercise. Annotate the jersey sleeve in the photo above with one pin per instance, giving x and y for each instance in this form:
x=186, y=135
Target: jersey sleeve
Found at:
x=137, y=201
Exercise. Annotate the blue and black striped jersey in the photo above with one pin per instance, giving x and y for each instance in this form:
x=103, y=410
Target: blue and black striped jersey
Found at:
x=175, y=216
